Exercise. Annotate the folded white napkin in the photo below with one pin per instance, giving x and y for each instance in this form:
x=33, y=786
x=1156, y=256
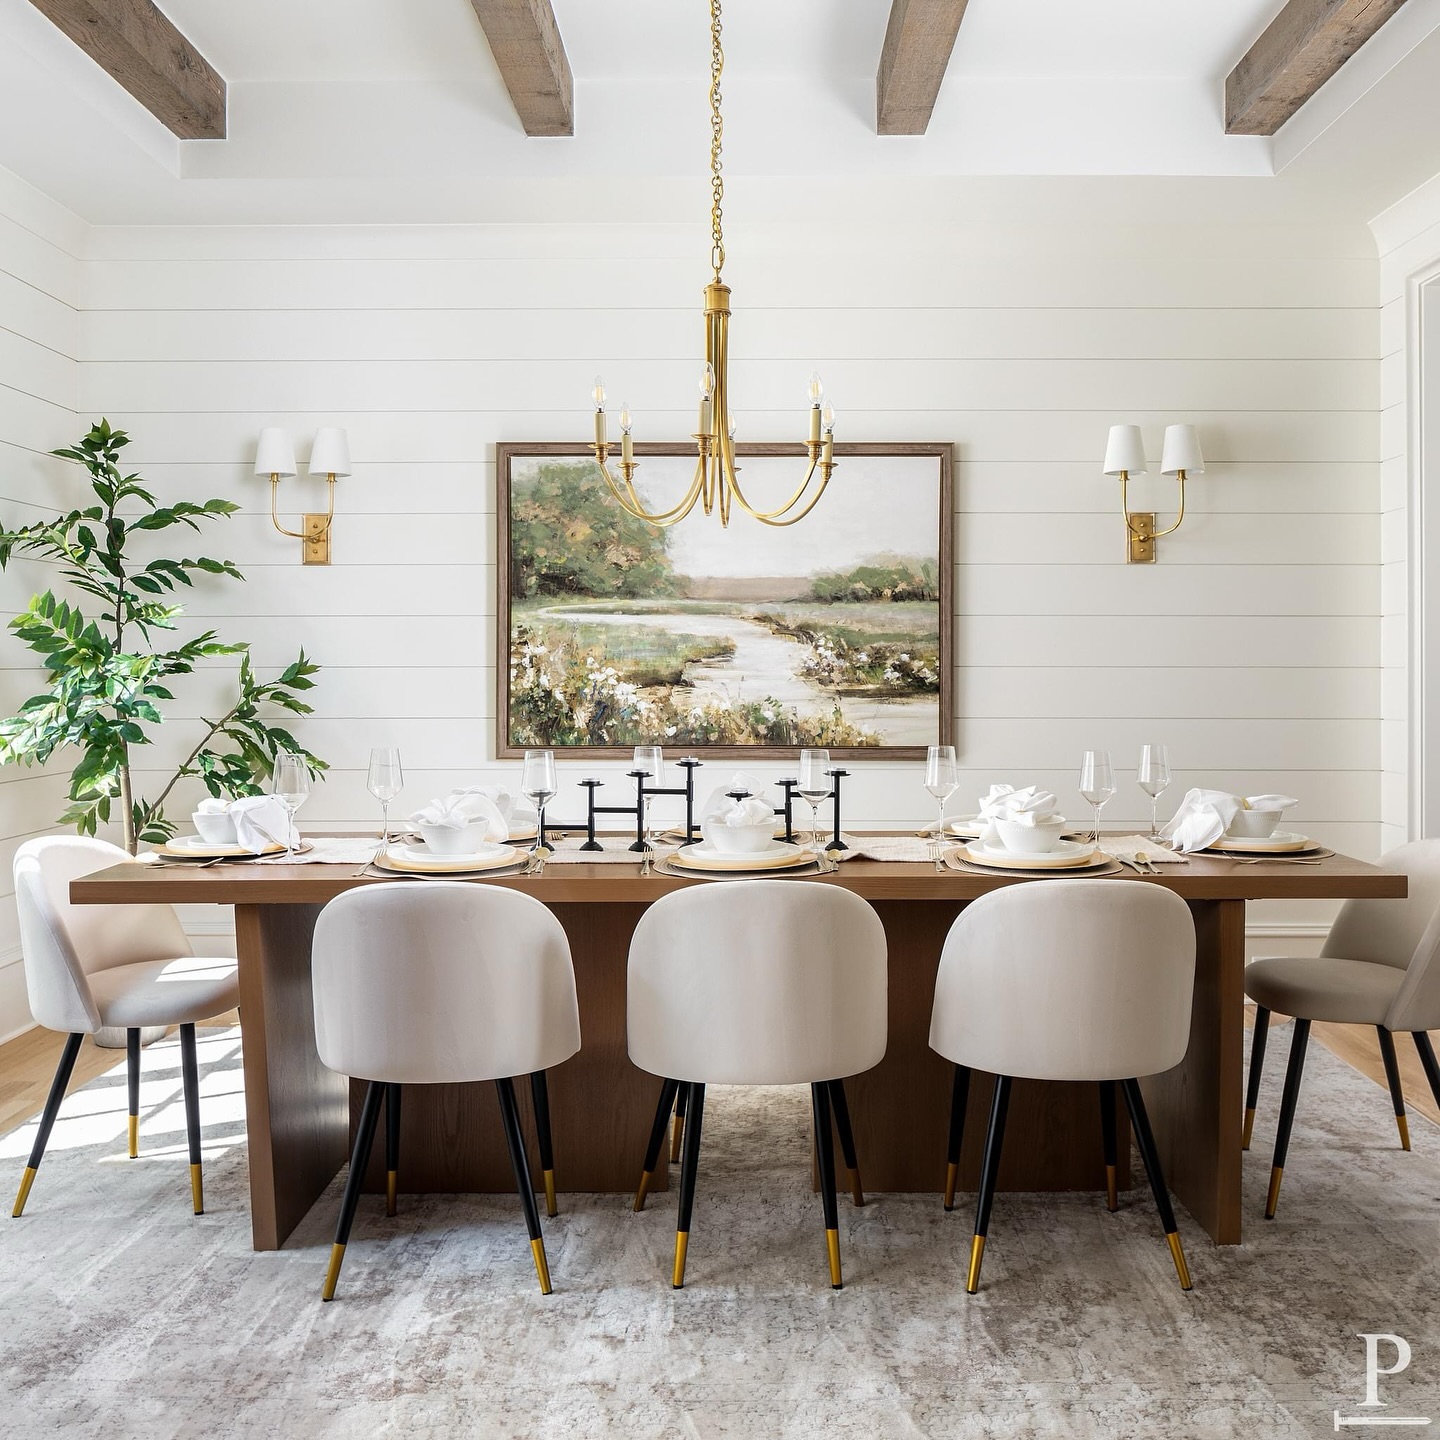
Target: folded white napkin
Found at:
x=718, y=803
x=1205, y=815
x=262, y=821
x=1030, y=806
x=747, y=812
x=492, y=805
x=213, y=805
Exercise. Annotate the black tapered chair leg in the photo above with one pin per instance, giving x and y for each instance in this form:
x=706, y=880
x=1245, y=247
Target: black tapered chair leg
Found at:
x=359, y=1161
x=515, y=1139
x=989, y=1174
x=132, y=1077
x=1107, y=1139
x=1293, y=1072
x=840, y=1107
x=1426, y=1051
x=47, y=1119
x=392, y=1148
x=663, y=1110
x=1257, y=1064
x=1145, y=1140
x=825, y=1155
x=190, y=1083
x=540, y=1095
x=694, y=1102
x=678, y=1133
x=1392, y=1075
x=959, y=1099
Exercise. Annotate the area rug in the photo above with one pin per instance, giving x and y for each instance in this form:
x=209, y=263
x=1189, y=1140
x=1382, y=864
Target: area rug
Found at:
x=121, y=1314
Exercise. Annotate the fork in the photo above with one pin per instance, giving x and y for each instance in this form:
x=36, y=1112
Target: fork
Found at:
x=645, y=861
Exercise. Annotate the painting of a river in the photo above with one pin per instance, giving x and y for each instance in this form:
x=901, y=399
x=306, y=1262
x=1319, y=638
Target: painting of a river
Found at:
x=751, y=638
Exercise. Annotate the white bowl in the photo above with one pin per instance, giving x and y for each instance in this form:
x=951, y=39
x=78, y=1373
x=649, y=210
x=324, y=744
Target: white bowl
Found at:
x=450, y=840
x=1038, y=839
x=1254, y=824
x=741, y=839
x=213, y=828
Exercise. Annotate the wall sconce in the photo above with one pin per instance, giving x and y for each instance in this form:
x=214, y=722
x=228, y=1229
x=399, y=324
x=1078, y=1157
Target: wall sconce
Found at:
x=1125, y=457
x=329, y=456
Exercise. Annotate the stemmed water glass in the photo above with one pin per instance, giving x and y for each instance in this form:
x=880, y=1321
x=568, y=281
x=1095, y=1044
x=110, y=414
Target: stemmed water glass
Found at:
x=538, y=785
x=1154, y=777
x=814, y=786
x=1097, y=782
x=649, y=763
x=385, y=781
x=290, y=783
x=942, y=780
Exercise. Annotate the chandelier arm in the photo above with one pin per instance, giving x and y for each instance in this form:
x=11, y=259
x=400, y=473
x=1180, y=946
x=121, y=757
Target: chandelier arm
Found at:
x=660, y=517
x=777, y=524
x=789, y=505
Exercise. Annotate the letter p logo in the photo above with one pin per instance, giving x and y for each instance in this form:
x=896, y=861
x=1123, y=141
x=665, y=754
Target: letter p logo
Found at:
x=1373, y=1368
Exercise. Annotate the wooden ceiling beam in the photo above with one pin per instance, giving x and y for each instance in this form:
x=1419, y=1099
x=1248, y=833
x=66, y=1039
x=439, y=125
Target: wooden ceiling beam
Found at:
x=918, y=41
x=525, y=41
x=135, y=43
x=1303, y=46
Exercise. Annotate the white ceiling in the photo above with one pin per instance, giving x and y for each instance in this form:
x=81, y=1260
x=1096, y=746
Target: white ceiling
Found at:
x=394, y=112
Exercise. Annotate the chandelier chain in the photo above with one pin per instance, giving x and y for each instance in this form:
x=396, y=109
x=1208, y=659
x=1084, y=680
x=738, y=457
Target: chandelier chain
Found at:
x=717, y=135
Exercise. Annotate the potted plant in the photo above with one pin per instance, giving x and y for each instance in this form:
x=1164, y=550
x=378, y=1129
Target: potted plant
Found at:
x=108, y=673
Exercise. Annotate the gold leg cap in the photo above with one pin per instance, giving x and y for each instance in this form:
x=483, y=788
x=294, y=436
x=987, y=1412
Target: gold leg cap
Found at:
x=682, y=1243
x=832, y=1247
x=977, y=1252
x=134, y=1136
x=26, y=1181
x=952, y=1173
x=1403, y=1125
x=1181, y=1268
x=857, y=1190
x=332, y=1275
x=551, y=1209
x=1249, y=1129
x=1112, y=1190
x=392, y=1191
x=197, y=1190
x=1273, y=1198
x=642, y=1190
x=677, y=1134
x=542, y=1266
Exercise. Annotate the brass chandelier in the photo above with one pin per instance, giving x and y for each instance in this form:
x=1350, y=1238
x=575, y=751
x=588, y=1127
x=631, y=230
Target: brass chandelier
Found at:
x=716, y=482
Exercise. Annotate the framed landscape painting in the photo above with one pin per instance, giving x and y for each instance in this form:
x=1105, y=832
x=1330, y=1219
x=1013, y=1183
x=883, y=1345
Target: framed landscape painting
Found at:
x=749, y=640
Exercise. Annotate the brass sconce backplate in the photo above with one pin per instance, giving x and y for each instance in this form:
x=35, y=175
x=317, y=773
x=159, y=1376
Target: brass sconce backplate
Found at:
x=316, y=539
x=1142, y=538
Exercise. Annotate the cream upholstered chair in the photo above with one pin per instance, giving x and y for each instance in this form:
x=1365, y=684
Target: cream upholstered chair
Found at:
x=762, y=982
x=437, y=984
x=1378, y=967
x=1066, y=980
x=92, y=966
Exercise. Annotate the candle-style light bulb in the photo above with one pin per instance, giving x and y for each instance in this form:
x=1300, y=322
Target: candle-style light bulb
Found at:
x=627, y=450
x=597, y=394
x=828, y=415
x=626, y=420
x=816, y=389
x=707, y=403
x=707, y=381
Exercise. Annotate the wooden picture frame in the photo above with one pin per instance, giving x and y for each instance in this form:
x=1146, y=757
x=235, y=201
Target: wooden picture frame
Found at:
x=896, y=709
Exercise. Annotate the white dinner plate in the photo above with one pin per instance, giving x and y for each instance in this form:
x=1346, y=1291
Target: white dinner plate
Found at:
x=1067, y=855
x=416, y=860
x=967, y=827
x=194, y=847
x=1281, y=842
x=780, y=856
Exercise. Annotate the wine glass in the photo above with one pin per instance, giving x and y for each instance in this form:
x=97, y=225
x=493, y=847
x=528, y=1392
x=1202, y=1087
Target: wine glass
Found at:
x=1097, y=782
x=814, y=786
x=1154, y=777
x=538, y=784
x=385, y=781
x=649, y=765
x=290, y=783
x=942, y=780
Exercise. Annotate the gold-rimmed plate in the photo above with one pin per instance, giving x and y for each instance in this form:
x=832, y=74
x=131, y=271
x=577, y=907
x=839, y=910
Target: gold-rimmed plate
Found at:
x=402, y=863
x=1070, y=855
x=192, y=847
x=1283, y=842
x=1100, y=864
x=704, y=857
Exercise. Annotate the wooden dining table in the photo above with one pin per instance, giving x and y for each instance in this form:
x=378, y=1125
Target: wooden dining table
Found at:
x=300, y=1116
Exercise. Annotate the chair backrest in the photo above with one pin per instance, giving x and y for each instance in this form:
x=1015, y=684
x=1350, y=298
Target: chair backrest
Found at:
x=1403, y=933
x=1068, y=980
x=762, y=982
x=63, y=943
x=442, y=982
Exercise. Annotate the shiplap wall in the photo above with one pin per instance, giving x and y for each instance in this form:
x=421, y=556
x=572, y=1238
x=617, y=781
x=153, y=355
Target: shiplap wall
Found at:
x=39, y=285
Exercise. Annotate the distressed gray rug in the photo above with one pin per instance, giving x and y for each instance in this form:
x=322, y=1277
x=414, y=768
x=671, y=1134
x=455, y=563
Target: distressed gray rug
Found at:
x=121, y=1314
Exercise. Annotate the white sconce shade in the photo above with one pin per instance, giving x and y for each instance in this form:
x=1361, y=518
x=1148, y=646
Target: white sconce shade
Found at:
x=1125, y=451
x=1182, y=451
x=330, y=454
x=275, y=454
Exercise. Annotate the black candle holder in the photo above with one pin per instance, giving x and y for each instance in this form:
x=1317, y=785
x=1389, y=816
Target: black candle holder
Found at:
x=787, y=810
x=689, y=765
